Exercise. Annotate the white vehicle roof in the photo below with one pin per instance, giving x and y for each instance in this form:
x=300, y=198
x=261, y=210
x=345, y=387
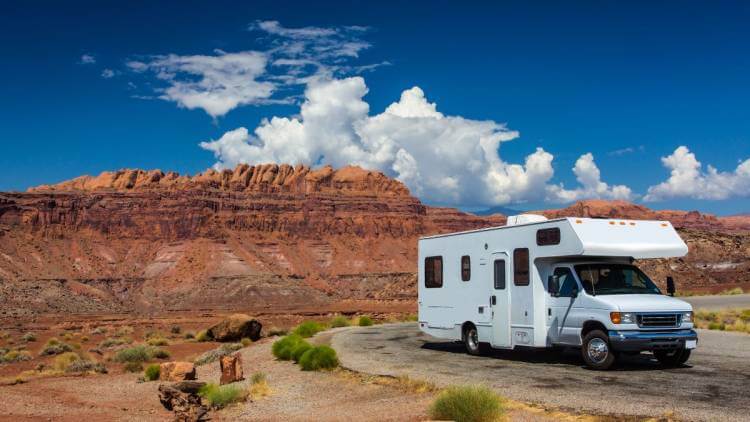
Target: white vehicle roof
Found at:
x=639, y=239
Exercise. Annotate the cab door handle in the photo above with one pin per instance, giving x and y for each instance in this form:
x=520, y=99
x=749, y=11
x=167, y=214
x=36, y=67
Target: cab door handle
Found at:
x=493, y=300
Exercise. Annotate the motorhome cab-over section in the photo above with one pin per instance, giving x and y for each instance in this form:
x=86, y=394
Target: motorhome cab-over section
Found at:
x=551, y=283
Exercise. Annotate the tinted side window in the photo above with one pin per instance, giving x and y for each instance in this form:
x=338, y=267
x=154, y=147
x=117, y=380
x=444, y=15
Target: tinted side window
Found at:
x=548, y=236
x=465, y=268
x=499, y=274
x=566, y=282
x=433, y=271
x=521, y=267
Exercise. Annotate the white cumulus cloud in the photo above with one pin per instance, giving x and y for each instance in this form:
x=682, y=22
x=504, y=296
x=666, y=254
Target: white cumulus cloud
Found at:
x=87, y=59
x=443, y=159
x=688, y=180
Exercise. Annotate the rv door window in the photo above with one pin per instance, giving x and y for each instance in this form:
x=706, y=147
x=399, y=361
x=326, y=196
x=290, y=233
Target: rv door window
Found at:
x=465, y=268
x=433, y=271
x=546, y=237
x=499, y=274
x=521, y=267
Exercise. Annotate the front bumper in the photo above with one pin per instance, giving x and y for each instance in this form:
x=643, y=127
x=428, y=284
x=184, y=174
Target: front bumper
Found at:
x=639, y=341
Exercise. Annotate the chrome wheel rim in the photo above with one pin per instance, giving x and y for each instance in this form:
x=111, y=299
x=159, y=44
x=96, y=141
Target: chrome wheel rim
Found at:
x=597, y=350
x=473, y=339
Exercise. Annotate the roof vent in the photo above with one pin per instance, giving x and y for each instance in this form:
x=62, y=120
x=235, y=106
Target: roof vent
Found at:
x=515, y=220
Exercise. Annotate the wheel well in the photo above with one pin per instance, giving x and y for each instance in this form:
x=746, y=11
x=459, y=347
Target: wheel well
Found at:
x=465, y=327
x=590, y=326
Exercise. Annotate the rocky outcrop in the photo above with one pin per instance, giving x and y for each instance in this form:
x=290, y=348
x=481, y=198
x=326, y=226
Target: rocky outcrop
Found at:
x=231, y=369
x=234, y=328
x=183, y=400
x=176, y=371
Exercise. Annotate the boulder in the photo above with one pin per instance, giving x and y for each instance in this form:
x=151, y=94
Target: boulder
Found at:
x=236, y=327
x=231, y=369
x=176, y=371
x=182, y=398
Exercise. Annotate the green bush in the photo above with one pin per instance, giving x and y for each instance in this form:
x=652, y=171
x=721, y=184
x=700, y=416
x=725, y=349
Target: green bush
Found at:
x=152, y=372
x=308, y=329
x=221, y=396
x=365, y=321
x=215, y=354
x=203, y=336
x=317, y=358
x=114, y=341
x=283, y=347
x=29, y=337
x=138, y=353
x=467, y=404
x=55, y=347
x=299, y=350
x=158, y=353
x=339, y=321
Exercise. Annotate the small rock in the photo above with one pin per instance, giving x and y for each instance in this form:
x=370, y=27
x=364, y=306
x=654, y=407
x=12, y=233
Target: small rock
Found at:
x=182, y=398
x=235, y=328
x=176, y=371
x=231, y=369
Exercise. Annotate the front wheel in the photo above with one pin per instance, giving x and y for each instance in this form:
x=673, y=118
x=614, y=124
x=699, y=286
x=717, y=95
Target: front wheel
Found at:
x=672, y=358
x=471, y=341
x=596, y=351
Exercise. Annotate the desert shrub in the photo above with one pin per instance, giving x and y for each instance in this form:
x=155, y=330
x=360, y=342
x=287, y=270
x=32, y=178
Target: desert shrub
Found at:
x=220, y=396
x=67, y=336
x=15, y=356
x=99, y=330
x=259, y=385
x=411, y=318
x=246, y=342
x=84, y=365
x=64, y=360
x=4, y=335
x=189, y=335
x=734, y=291
x=125, y=330
x=55, y=347
x=114, y=341
x=283, y=347
x=308, y=329
x=339, y=321
x=365, y=321
x=317, y=358
x=158, y=353
x=467, y=404
x=157, y=341
x=258, y=377
x=299, y=349
x=29, y=337
x=277, y=332
x=138, y=353
x=133, y=367
x=152, y=372
x=85, y=339
x=203, y=336
x=716, y=326
x=175, y=329
x=215, y=354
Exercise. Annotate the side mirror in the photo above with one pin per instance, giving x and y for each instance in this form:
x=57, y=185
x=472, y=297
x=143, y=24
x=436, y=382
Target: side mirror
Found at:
x=553, y=285
x=670, y=286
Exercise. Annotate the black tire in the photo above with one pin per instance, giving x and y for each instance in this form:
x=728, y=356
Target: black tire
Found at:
x=672, y=358
x=471, y=341
x=597, y=352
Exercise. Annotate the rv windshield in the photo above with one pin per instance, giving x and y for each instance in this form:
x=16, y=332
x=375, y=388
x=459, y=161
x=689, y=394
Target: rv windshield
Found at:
x=614, y=279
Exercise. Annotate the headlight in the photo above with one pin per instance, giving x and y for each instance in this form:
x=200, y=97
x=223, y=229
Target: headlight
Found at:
x=687, y=317
x=622, y=317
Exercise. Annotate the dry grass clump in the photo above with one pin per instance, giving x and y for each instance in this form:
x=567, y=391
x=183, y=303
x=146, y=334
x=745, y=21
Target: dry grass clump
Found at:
x=246, y=342
x=70, y=362
x=157, y=341
x=29, y=337
x=220, y=396
x=123, y=331
x=99, y=330
x=467, y=404
x=203, y=336
x=12, y=356
x=259, y=386
x=215, y=354
x=729, y=320
x=140, y=354
x=114, y=341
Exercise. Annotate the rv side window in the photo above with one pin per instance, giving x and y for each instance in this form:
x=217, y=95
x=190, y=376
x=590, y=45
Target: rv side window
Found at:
x=499, y=274
x=465, y=268
x=548, y=236
x=521, y=267
x=433, y=271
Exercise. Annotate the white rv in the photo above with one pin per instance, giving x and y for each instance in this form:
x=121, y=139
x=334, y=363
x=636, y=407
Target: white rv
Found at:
x=555, y=283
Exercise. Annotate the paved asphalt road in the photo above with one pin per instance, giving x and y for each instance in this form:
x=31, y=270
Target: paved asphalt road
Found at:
x=714, y=385
x=713, y=303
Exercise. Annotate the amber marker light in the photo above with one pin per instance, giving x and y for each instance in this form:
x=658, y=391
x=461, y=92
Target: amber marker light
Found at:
x=615, y=317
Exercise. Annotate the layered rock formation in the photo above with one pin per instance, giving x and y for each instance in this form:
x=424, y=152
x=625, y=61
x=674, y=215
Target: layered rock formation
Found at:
x=264, y=237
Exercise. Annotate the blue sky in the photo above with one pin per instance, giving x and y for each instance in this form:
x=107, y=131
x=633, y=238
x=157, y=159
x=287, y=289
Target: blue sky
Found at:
x=628, y=82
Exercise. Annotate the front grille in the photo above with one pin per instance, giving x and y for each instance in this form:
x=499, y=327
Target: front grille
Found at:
x=658, y=320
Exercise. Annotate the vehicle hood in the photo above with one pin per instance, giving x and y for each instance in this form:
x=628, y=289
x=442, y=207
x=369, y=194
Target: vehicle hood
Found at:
x=643, y=303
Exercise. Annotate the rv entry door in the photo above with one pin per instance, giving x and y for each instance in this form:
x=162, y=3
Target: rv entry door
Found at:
x=500, y=301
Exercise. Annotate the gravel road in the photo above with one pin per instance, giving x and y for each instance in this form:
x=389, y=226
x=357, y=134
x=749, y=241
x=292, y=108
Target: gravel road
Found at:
x=715, y=303
x=715, y=385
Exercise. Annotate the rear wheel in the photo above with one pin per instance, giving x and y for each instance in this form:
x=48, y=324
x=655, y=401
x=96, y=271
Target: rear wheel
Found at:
x=596, y=351
x=471, y=341
x=672, y=358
